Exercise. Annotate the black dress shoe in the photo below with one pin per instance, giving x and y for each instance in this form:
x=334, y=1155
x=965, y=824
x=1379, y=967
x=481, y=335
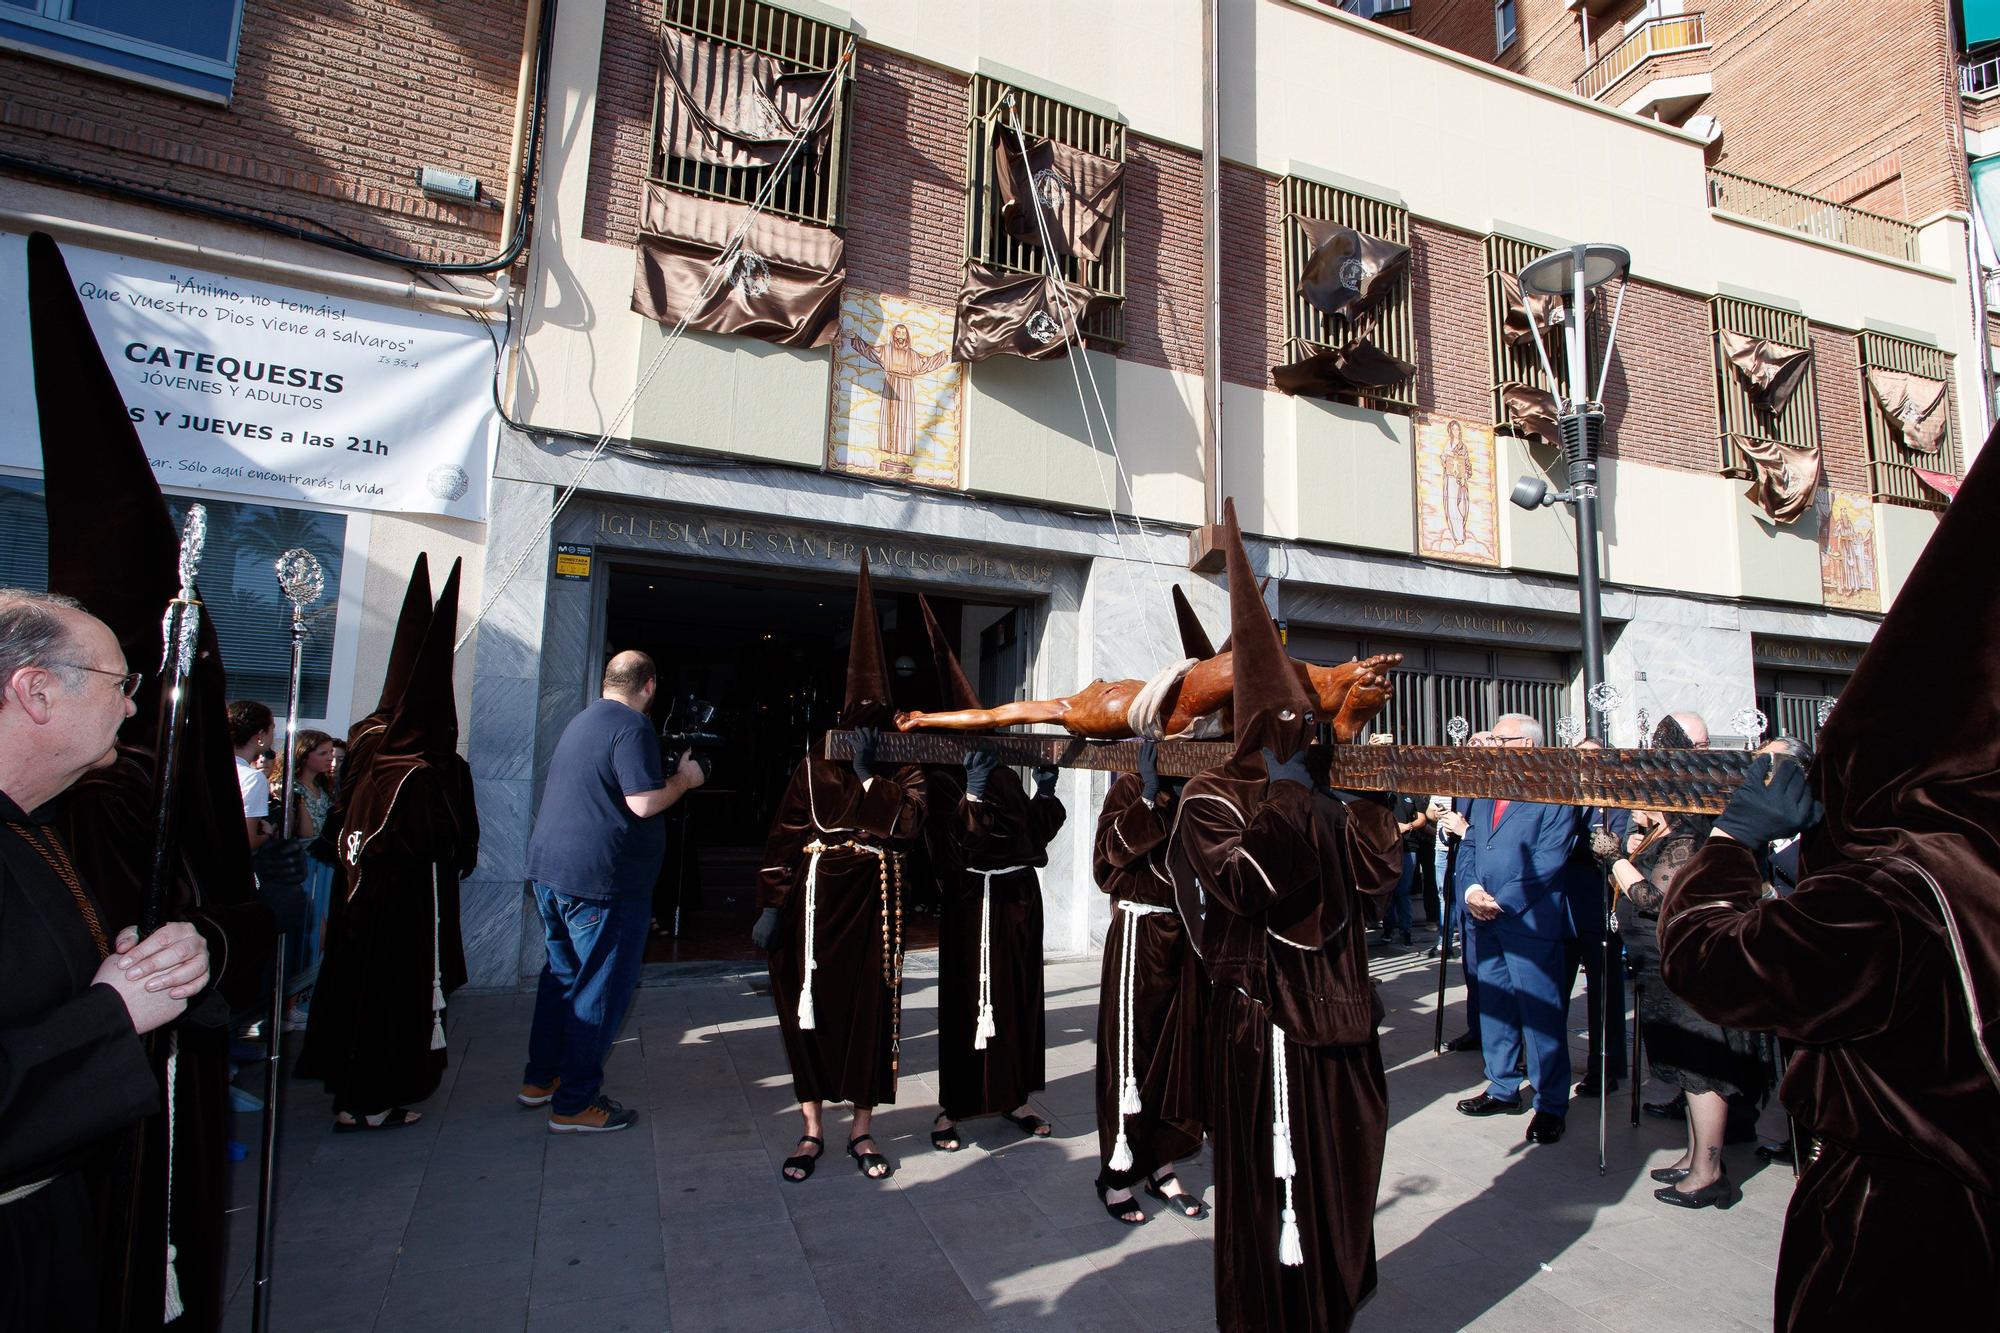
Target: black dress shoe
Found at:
x=1718, y=1194
x=1677, y=1109
x=1589, y=1088
x=1669, y=1175
x=1546, y=1128
x=1484, y=1105
x=1775, y=1152
x=1464, y=1041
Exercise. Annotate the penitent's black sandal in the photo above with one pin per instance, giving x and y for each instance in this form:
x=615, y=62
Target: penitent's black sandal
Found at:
x=1030, y=1124
x=868, y=1161
x=804, y=1162
x=1119, y=1211
x=947, y=1139
x=1187, y=1205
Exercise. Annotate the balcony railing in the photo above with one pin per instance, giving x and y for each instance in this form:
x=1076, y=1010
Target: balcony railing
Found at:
x=1980, y=80
x=1797, y=211
x=1654, y=37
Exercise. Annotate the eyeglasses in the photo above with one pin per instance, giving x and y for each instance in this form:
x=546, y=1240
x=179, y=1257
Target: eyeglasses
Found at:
x=128, y=681
x=1511, y=740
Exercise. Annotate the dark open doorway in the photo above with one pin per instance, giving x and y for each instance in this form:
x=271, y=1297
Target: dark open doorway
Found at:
x=771, y=654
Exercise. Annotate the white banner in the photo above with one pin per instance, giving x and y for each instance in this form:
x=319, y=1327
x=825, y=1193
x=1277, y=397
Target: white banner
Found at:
x=244, y=387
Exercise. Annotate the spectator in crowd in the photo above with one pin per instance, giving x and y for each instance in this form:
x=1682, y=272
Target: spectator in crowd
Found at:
x=1515, y=863
x=312, y=797
x=1451, y=827
x=250, y=726
x=1410, y=823
x=1708, y=1063
x=1598, y=952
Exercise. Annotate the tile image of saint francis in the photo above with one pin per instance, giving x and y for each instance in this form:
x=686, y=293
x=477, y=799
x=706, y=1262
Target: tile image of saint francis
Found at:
x=901, y=365
x=1456, y=465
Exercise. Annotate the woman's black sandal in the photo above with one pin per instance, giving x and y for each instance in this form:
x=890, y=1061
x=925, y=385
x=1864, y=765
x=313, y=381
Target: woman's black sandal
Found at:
x=804, y=1162
x=1118, y=1210
x=945, y=1140
x=1030, y=1124
x=1187, y=1205
x=868, y=1161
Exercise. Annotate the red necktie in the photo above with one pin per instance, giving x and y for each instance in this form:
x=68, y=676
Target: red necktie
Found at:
x=1499, y=809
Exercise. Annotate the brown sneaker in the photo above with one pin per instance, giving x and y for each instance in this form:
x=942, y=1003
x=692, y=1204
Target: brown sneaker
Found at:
x=535, y=1094
x=602, y=1116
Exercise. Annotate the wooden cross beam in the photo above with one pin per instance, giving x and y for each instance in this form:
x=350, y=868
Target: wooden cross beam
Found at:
x=1683, y=781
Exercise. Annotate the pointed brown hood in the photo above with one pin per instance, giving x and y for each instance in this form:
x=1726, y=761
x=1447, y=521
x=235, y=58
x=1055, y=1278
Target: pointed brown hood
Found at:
x=1273, y=706
x=1914, y=772
x=954, y=690
x=869, y=701
x=1194, y=635
x=425, y=720
x=112, y=543
x=412, y=623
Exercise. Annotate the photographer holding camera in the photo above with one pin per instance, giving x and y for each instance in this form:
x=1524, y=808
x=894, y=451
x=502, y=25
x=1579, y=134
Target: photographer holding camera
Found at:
x=593, y=856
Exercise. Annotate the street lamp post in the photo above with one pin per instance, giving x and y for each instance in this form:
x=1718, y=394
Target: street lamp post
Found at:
x=1571, y=274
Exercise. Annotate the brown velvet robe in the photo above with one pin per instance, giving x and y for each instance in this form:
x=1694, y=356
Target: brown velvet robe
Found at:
x=1283, y=872
x=1169, y=994
x=850, y=1055
x=1897, y=1223
x=1005, y=827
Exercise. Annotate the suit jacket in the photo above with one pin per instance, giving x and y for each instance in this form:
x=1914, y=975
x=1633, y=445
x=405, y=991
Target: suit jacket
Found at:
x=1524, y=864
x=1586, y=878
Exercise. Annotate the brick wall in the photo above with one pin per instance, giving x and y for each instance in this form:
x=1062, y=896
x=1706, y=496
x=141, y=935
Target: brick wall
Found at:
x=906, y=184
x=1837, y=380
x=1454, y=334
x=335, y=109
x=1163, y=262
x=1253, y=275
x=1659, y=401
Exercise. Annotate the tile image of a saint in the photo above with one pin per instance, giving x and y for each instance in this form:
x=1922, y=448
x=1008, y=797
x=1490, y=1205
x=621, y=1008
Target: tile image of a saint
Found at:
x=896, y=394
x=1847, y=555
x=1456, y=496
x=1456, y=465
x=901, y=365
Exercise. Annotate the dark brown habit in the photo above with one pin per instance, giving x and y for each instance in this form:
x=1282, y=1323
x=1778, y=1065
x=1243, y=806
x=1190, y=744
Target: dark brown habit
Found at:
x=986, y=852
x=1884, y=963
x=113, y=546
x=394, y=953
x=833, y=866
x=1269, y=877
x=365, y=736
x=1151, y=1004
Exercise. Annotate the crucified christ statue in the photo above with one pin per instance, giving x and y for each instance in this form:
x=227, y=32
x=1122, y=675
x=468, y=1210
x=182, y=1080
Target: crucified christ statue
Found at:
x=1187, y=702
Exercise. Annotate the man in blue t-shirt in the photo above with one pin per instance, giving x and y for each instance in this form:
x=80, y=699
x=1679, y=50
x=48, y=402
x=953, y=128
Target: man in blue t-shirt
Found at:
x=593, y=857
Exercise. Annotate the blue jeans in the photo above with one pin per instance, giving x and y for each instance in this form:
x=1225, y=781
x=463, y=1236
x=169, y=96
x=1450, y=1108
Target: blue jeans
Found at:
x=595, y=952
x=1396, y=912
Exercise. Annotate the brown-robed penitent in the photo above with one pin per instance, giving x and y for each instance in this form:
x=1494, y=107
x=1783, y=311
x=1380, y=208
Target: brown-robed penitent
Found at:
x=1080, y=193
x=1347, y=272
x=113, y=546
x=729, y=106
x=1269, y=879
x=1532, y=412
x=1017, y=314
x=987, y=853
x=833, y=865
x=1359, y=367
x=394, y=953
x=1919, y=409
x=783, y=286
x=1884, y=964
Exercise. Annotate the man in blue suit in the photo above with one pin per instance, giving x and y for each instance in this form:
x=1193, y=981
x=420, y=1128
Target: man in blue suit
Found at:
x=1514, y=866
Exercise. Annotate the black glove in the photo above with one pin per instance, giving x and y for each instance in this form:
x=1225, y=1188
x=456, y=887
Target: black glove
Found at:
x=765, y=933
x=1773, y=802
x=1149, y=769
x=979, y=766
x=864, y=752
x=1291, y=770
x=1045, y=779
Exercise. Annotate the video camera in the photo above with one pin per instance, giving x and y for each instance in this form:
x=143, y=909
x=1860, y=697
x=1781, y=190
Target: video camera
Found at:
x=686, y=731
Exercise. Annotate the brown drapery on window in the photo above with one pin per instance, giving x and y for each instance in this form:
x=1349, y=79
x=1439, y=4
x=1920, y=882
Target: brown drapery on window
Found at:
x=784, y=286
x=1081, y=194
x=1348, y=272
x=731, y=107
x=1916, y=407
x=1359, y=367
x=1531, y=412
x=1003, y=313
x=1515, y=328
x=1772, y=370
x=1782, y=478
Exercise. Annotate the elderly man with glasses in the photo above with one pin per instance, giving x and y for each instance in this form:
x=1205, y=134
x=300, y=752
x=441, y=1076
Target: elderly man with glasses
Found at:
x=1514, y=864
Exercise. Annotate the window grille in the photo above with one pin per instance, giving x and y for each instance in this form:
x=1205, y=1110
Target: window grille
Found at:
x=814, y=186
x=987, y=242
x=1432, y=685
x=1389, y=325
x=1892, y=475
x=1737, y=413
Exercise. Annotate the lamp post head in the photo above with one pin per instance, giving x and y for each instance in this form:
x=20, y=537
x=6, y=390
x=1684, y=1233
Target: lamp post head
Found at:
x=1554, y=274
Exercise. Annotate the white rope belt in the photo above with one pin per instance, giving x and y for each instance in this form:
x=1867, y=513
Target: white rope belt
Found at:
x=1290, y=1253
x=437, y=969
x=174, y=1308
x=987, y=1029
x=20, y=1192
x=808, y=1016
x=1128, y=1062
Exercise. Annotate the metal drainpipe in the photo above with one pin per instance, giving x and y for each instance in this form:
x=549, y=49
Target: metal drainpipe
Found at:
x=1211, y=260
x=524, y=88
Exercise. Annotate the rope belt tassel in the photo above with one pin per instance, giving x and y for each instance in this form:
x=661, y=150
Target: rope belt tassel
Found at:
x=437, y=969
x=1129, y=1102
x=174, y=1307
x=987, y=1029
x=1283, y=1165
x=892, y=942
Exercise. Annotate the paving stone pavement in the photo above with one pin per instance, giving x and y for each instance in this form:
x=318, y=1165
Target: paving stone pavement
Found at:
x=478, y=1219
